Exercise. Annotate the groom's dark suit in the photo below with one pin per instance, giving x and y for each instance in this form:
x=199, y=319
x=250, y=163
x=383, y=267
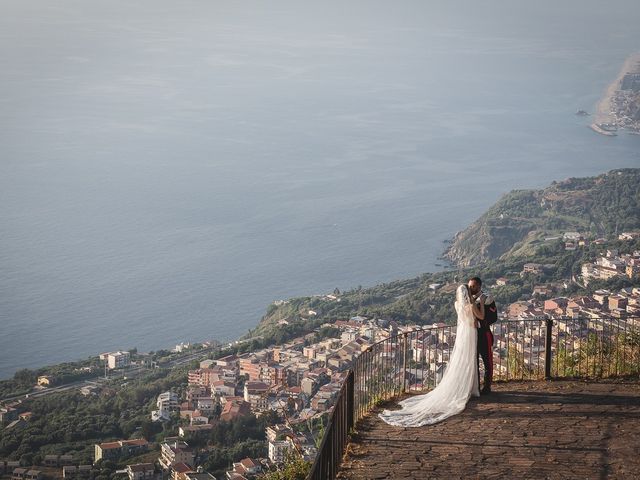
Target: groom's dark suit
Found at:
x=485, y=340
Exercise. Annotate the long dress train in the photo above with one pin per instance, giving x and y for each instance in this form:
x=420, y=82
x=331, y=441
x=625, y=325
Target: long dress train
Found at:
x=459, y=382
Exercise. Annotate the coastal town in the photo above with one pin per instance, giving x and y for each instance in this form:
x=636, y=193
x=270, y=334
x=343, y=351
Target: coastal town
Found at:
x=296, y=383
x=620, y=106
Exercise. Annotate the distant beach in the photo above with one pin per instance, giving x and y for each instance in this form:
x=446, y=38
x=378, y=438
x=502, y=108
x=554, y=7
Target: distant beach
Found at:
x=603, y=113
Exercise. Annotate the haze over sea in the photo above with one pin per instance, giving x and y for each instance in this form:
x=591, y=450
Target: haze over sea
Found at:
x=168, y=169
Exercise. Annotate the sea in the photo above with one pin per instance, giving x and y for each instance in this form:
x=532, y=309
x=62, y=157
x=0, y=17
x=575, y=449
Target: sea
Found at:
x=168, y=169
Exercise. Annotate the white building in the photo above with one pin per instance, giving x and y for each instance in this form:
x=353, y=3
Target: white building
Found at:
x=205, y=405
x=173, y=452
x=278, y=449
x=118, y=359
x=574, y=236
x=167, y=403
x=141, y=471
x=223, y=388
x=181, y=347
x=256, y=393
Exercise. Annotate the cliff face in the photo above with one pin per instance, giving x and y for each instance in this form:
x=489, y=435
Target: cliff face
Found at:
x=521, y=219
x=485, y=240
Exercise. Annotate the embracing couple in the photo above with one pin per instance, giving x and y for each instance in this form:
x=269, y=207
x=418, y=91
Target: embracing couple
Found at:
x=476, y=312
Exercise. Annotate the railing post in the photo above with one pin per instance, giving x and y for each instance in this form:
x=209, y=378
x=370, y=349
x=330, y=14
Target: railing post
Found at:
x=404, y=362
x=350, y=401
x=547, y=349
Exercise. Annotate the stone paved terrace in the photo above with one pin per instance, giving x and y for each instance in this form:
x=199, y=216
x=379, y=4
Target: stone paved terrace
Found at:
x=542, y=430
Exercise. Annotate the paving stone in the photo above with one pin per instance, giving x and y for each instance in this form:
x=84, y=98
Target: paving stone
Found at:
x=542, y=430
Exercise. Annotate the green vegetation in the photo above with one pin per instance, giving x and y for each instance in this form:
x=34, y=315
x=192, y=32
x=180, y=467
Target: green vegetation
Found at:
x=598, y=206
x=21, y=383
x=519, y=229
x=70, y=423
x=24, y=380
x=513, y=232
x=599, y=356
x=294, y=468
x=231, y=441
x=414, y=301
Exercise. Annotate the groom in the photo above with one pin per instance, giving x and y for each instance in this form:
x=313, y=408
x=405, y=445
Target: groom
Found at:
x=485, y=337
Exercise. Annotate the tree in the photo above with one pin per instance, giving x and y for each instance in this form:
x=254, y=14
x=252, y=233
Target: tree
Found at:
x=293, y=468
x=26, y=459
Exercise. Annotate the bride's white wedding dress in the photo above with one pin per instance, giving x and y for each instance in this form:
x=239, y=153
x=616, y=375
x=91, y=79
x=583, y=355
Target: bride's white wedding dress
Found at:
x=459, y=382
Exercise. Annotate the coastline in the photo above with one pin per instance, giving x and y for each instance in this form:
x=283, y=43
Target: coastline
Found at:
x=603, y=114
x=447, y=267
x=596, y=128
x=254, y=320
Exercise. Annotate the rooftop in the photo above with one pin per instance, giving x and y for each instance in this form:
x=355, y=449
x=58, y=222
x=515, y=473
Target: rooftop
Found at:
x=141, y=467
x=556, y=429
x=182, y=467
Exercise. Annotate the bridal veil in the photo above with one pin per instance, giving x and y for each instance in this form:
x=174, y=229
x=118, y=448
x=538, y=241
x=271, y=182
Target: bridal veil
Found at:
x=459, y=382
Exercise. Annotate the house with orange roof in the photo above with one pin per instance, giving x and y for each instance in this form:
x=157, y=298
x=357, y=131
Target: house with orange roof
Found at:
x=120, y=448
x=179, y=470
x=235, y=409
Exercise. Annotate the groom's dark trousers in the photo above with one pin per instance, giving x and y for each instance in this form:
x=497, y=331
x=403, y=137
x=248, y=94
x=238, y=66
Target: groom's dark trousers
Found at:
x=485, y=350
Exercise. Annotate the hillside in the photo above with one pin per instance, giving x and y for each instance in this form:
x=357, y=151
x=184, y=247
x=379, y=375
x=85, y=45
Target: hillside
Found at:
x=523, y=226
x=522, y=219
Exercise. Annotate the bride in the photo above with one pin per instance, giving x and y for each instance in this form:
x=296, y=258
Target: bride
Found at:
x=460, y=379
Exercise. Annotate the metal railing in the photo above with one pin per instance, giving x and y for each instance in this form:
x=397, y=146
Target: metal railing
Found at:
x=336, y=434
x=594, y=347
x=531, y=349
